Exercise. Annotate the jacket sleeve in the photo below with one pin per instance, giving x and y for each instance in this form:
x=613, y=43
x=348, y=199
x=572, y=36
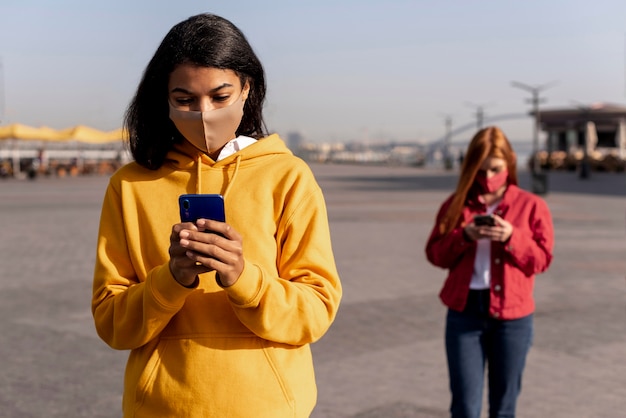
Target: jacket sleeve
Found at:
x=445, y=250
x=531, y=248
x=299, y=306
x=130, y=306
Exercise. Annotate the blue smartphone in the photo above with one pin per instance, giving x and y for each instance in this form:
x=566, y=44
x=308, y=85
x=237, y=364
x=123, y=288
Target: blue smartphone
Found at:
x=196, y=206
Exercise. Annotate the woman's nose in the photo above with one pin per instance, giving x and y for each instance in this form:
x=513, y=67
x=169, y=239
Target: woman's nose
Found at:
x=204, y=105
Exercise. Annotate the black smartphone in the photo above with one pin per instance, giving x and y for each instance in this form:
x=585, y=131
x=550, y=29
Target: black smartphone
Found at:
x=484, y=220
x=196, y=206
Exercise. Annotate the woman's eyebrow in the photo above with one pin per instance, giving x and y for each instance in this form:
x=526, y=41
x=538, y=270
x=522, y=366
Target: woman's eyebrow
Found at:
x=213, y=90
x=180, y=90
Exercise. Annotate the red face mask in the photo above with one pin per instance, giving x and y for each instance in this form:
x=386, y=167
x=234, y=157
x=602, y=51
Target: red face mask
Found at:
x=493, y=183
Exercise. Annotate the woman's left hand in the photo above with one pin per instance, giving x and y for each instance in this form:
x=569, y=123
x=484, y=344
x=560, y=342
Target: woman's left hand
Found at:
x=501, y=232
x=220, y=250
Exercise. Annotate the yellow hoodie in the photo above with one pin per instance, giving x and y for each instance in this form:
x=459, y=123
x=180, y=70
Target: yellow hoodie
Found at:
x=241, y=351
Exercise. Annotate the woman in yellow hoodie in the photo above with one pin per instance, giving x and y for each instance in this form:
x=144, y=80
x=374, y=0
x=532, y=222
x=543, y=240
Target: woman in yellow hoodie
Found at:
x=218, y=316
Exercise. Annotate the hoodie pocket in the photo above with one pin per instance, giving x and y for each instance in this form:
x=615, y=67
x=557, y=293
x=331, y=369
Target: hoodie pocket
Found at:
x=234, y=376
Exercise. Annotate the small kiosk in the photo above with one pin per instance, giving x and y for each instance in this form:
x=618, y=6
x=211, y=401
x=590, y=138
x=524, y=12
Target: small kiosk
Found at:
x=584, y=138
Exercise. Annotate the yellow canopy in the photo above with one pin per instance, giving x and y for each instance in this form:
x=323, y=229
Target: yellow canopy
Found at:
x=78, y=133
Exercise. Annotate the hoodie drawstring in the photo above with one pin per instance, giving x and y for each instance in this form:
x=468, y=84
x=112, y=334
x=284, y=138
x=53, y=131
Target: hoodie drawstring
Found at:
x=232, y=180
x=199, y=175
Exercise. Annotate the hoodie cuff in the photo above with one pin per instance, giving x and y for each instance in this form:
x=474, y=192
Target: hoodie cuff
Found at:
x=247, y=289
x=165, y=289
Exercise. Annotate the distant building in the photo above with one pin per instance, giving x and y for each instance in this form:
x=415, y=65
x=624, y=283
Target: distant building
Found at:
x=596, y=133
x=295, y=140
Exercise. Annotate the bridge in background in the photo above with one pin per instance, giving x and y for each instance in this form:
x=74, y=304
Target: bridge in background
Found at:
x=438, y=143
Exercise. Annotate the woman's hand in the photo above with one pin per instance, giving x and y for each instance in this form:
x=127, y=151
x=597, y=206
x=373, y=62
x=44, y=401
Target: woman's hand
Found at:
x=183, y=268
x=217, y=247
x=500, y=232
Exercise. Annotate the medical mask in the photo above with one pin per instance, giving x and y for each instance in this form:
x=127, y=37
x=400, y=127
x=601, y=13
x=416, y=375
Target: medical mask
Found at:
x=493, y=183
x=209, y=131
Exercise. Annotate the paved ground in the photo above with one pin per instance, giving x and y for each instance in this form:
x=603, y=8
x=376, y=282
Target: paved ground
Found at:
x=383, y=357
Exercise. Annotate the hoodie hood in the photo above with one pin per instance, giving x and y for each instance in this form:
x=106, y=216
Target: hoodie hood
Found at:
x=185, y=156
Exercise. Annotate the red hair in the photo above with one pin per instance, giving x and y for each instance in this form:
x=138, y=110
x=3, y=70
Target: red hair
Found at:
x=488, y=142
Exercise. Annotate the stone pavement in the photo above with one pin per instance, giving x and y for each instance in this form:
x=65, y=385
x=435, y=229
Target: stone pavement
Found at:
x=384, y=356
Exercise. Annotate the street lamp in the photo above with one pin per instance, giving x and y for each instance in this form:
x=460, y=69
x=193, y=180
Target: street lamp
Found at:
x=539, y=180
x=480, y=114
x=535, y=100
x=447, y=158
x=585, y=169
x=1, y=91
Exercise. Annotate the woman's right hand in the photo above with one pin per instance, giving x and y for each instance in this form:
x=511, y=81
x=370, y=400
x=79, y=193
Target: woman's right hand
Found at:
x=184, y=269
x=215, y=247
x=501, y=231
x=473, y=232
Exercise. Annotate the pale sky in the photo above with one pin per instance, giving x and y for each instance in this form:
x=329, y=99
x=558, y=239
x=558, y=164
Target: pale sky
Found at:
x=336, y=70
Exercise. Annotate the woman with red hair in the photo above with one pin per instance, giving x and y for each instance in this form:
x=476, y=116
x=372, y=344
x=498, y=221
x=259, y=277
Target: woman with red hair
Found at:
x=492, y=237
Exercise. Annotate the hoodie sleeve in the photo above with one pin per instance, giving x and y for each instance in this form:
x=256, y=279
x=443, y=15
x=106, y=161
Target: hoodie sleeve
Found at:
x=299, y=306
x=130, y=306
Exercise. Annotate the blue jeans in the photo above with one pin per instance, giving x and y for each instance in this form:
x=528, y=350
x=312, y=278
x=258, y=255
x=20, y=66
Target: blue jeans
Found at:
x=473, y=339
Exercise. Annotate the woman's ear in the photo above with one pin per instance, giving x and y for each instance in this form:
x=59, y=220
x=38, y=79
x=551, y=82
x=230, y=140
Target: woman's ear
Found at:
x=245, y=91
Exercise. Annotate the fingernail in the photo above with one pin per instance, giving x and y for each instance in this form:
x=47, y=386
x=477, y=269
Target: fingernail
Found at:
x=184, y=234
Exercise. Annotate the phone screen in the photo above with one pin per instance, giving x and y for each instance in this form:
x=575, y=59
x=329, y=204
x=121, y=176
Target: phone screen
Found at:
x=484, y=220
x=196, y=206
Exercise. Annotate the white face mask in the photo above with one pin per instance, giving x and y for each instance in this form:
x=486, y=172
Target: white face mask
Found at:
x=209, y=131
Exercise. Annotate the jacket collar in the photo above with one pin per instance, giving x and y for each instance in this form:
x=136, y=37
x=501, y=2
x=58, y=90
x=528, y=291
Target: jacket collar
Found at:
x=510, y=195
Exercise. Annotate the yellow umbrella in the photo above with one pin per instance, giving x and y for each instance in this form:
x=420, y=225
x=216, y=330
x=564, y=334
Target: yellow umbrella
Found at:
x=116, y=135
x=80, y=133
x=19, y=131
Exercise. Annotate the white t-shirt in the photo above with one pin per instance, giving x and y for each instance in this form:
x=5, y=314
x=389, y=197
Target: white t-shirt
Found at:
x=481, y=277
x=235, y=145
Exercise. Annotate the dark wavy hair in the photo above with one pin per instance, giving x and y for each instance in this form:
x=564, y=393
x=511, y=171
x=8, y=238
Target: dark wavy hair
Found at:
x=205, y=40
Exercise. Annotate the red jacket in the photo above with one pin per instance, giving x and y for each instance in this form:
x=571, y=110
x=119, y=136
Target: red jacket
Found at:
x=513, y=263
